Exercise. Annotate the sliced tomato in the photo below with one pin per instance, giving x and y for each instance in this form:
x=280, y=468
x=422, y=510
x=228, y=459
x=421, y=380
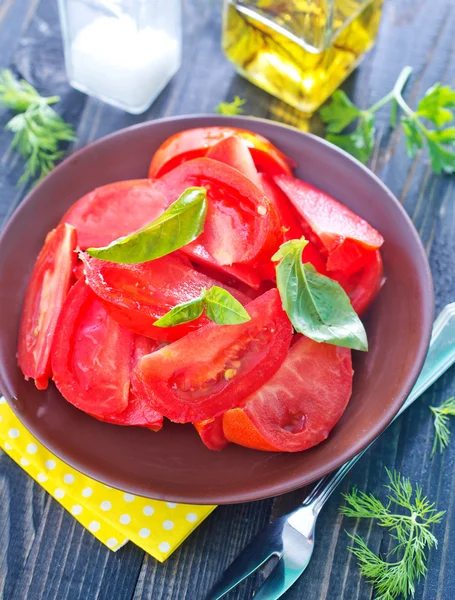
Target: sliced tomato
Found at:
x=194, y=143
x=213, y=369
x=297, y=408
x=211, y=433
x=78, y=269
x=137, y=295
x=233, y=151
x=240, y=220
x=347, y=238
x=244, y=273
x=289, y=220
x=91, y=356
x=49, y=284
x=115, y=210
x=138, y=412
x=362, y=287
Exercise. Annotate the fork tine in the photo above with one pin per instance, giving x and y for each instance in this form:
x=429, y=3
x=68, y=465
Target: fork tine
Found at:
x=262, y=547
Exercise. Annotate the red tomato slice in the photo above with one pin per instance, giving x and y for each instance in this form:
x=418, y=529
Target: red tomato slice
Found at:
x=115, y=210
x=49, y=284
x=194, y=143
x=243, y=273
x=297, y=408
x=233, y=151
x=138, y=412
x=240, y=221
x=289, y=220
x=91, y=355
x=211, y=433
x=362, y=287
x=137, y=295
x=213, y=369
x=348, y=239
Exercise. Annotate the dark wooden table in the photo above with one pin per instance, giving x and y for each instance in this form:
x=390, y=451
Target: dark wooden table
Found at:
x=44, y=552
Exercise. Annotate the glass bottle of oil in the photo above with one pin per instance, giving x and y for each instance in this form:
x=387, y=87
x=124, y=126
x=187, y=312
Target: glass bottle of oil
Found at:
x=299, y=50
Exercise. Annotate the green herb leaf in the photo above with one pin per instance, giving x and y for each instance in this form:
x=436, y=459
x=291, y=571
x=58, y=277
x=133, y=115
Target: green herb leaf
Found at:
x=339, y=113
x=316, y=305
x=441, y=428
x=413, y=136
x=179, y=225
x=394, y=578
x=223, y=308
x=231, y=108
x=360, y=142
x=38, y=129
x=182, y=313
x=435, y=105
x=220, y=306
x=442, y=159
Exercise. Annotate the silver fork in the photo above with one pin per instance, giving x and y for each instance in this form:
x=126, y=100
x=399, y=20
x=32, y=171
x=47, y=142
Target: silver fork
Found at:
x=290, y=538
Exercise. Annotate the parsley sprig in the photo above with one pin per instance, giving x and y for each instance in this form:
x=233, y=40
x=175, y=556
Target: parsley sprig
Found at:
x=397, y=573
x=433, y=109
x=231, y=108
x=38, y=129
x=441, y=429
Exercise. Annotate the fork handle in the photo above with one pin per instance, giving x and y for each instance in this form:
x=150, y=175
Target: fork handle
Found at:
x=441, y=355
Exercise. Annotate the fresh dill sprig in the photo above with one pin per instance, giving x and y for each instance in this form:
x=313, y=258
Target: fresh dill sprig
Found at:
x=397, y=573
x=441, y=428
x=425, y=125
x=231, y=108
x=38, y=129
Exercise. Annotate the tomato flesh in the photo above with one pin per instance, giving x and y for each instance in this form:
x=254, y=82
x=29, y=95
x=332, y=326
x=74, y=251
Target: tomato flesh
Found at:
x=213, y=369
x=138, y=412
x=49, y=284
x=91, y=355
x=211, y=433
x=137, y=295
x=347, y=238
x=240, y=219
x=297, y=408
x=194, y=143
x=115, y=210
x=233, y=151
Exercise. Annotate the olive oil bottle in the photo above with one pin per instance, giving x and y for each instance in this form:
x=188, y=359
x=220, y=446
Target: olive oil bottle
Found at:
x=299, y=50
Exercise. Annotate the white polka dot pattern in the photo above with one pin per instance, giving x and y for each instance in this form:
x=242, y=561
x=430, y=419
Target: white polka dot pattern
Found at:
x=114, y=517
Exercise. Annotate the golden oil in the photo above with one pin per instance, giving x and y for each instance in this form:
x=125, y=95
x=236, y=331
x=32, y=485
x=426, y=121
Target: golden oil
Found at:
x=299, y=50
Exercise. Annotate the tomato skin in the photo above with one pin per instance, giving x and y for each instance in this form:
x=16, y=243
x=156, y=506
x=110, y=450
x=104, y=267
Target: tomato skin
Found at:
x=288, y=217
x=115, y=210
x=194, y=143
x=137, y=295
x=213, y=369
x=297, y=408
x=91, y=355
x=49, y=284
x=240, y=220
x=362, y=287
x=138, y=412
x=233, y=151
x=347, y=238
x=211, y=433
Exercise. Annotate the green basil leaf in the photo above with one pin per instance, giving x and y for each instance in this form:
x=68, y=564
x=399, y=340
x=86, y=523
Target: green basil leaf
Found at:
x=223, y=308
x=220, y=306
x=179, y=225
x=316, y=305
x=182, y=313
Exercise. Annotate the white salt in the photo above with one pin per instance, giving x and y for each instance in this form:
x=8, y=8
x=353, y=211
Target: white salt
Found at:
x=124, y=65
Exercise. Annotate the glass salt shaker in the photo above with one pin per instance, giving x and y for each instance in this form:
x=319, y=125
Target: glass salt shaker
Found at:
x=121, y=51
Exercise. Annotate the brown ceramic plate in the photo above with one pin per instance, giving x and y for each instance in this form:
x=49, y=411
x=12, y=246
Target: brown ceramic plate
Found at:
x=173, y=464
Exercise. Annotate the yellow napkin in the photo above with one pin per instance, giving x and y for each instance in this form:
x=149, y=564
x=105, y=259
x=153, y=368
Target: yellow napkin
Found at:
x=113, y=517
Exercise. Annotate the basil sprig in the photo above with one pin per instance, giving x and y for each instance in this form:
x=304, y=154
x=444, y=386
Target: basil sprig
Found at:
x=179, y=225
x=316, y=305
x=220, y=307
